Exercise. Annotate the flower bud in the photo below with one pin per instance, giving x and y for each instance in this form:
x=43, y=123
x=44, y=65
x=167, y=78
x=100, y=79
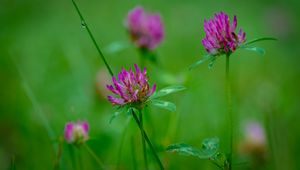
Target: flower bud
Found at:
x=76, y=132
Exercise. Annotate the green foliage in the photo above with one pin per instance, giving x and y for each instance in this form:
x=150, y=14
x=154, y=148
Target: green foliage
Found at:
x=60, y=63
x=164, y=105
x=258, y=50
x=207, y=57
x=259, y=39
x=220, y=160
x=208, y=150
x=152, y=101
x=116, y=47
x=212, y=62
x=119, y=111
x=166, y=91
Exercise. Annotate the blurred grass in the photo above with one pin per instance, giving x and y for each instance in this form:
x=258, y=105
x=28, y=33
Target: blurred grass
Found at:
x=60, y=64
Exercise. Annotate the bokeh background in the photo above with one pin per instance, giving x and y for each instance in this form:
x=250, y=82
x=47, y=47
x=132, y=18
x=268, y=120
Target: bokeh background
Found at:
x=51, y=73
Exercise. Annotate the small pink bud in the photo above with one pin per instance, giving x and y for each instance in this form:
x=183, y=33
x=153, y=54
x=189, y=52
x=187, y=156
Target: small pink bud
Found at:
x=76, y=133
x=254, y=143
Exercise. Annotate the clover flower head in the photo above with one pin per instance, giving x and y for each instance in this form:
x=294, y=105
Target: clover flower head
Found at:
x=130, y=87
x=254, y=144
x=221, y=37
x=255, y=134
x=146, y=30
x=76, y=132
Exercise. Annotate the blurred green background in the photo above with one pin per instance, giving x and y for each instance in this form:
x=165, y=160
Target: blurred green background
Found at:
x=49, y=72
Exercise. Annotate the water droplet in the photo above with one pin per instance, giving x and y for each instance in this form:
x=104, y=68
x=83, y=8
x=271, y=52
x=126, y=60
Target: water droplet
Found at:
x=83, y=24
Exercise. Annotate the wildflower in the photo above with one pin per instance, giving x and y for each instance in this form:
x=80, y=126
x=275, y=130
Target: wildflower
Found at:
x=254, y=144
x=255, y=134
x=221, y=37
x=76, y=133
x=131, y=88
x=146, y=29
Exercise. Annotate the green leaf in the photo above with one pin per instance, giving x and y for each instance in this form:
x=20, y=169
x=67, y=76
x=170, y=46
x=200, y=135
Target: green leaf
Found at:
x=220, y=160
x=259, y=39
x=259, y=50
x=211, y=143
x=164, y=105
x=204, y=59
x=116, y=47
x=184, y=149
x=209, y=148
x=119, y=111
x=212, y=62
x=166, y=91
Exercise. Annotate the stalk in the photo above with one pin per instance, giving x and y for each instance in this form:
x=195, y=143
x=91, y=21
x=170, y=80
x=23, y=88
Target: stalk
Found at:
x=229, y=110
x=38, y=109
x=133, y=153
x=84, y=24
x=121, y=145
x=73, y=157
x=92, y=153
x=143, y=140
x=147, y=140
x=142, y=57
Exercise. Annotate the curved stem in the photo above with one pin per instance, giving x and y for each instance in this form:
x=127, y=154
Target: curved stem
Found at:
x=147, y=140
x=143, y=140
x=229, y=110
x=83, y=23
x=92, y=153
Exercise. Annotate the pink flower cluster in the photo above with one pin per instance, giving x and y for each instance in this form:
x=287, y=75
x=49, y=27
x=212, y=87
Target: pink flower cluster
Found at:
x=146, y=30
x=221, y=36
x=130, y=87
x=255, y=134
x=76, y=132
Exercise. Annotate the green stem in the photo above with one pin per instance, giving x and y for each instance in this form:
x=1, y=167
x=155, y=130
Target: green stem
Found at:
x=147, y=140
x=39, y=110
x=59, y=153
x=79, y=158
x=13, y=163
x=92, y=153
x=142, y=58
x=133, y=153
x=229, y=110
x=143, y=139
x=36, y=105
x=83, y=23
x=121, y=146
x=73, y=156
x=270, y=124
